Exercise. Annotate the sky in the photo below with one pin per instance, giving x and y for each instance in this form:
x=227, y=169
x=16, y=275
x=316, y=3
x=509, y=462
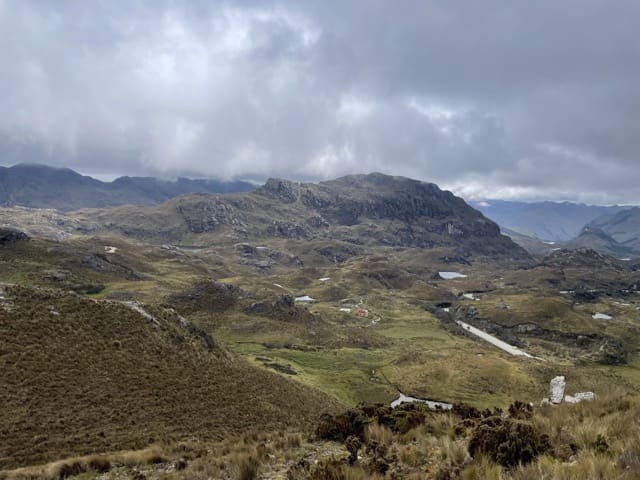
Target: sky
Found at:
x=495, y=99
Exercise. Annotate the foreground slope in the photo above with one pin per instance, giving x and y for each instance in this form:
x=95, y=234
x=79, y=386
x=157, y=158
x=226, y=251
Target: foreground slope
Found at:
x=80, y=376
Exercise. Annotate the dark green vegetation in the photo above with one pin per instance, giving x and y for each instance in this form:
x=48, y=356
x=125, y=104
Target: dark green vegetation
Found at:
x=368, y=250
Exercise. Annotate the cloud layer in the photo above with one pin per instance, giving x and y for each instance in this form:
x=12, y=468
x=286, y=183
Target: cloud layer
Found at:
x=491, y=99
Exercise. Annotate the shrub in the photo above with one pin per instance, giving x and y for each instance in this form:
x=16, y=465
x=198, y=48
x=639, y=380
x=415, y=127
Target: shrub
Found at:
x=507, y=442
x=520, y=410
x=600, y=445
x=245, y=467
x=353, y=444
x=342, y=426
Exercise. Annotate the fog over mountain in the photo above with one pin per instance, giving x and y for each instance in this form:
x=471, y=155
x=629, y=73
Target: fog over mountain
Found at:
x=496, y=99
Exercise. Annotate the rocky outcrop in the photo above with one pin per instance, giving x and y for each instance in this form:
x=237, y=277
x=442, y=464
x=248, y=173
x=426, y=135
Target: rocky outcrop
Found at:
x=279, y=189
x=556, y=389
x=284, y=308
x=207, y=214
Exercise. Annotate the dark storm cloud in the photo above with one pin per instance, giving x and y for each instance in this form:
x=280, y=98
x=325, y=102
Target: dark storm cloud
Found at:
x=494, y=98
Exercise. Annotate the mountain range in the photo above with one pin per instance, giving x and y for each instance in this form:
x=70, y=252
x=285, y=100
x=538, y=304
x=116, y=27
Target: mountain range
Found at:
x=41, y=186
x=551, y=221
x=348, y=214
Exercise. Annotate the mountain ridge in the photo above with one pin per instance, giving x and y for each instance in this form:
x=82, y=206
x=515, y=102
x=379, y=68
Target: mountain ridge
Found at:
x=351, y=212
x=552, y=221
x=41, y=186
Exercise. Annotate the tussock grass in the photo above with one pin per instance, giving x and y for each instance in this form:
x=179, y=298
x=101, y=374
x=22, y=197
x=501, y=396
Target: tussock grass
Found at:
x=102, y=377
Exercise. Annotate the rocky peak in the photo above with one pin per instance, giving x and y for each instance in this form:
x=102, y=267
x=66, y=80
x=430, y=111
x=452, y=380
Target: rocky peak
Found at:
x=284, y=190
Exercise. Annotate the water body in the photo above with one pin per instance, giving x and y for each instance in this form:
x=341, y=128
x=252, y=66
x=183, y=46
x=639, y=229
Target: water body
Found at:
x=451, y=275
x=305, y=298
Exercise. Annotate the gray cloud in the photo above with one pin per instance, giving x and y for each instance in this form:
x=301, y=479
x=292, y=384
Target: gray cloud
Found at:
x=496, y=98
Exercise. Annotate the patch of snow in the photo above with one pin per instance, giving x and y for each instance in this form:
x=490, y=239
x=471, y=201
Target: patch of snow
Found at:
x=494, y=341
x=549, y=243
x=451, y=275
x=601, y=316
x=345, y=310
x=469, y=296
x=279, y=286
x=430, y=403
x=109, y=249
x=556, y=249
x=305, y=298
x=626, y=259
x=324, y=279
x=446, y=309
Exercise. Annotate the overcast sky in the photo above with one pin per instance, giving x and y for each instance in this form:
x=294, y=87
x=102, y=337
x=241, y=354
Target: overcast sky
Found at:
x=492, y=99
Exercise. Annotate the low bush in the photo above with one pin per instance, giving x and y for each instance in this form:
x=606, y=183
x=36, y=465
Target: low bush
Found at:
x=508, y=442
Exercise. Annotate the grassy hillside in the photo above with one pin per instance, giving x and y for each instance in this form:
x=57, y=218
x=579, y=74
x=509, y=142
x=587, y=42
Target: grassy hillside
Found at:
x=80, y=376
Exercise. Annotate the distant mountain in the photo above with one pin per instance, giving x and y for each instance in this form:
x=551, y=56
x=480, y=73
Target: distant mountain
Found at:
x=336, y=218
x=41, y=186
x=618, y=233
x=553, y=221
x=533, y=245
x=597, y=239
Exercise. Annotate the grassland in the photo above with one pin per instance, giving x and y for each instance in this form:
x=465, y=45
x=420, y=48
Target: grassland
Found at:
x=315, y=357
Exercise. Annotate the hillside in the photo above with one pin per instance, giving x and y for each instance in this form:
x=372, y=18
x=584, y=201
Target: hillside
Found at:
x=553, y=221
x=40, y=186
x=80, y=376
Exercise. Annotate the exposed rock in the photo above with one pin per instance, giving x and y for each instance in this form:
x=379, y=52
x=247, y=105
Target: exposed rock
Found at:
x=579, y=397
x=557, y=387
x=286, y=229
x=284, y=190
x=9, y=235
x=317, y=221
x=207, y=214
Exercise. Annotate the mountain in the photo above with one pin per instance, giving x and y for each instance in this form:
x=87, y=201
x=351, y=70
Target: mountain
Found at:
x=80, y=375
x=554, y=221
x=621, y=231
x=597, y=239
x=41, y=186
x=340, y=216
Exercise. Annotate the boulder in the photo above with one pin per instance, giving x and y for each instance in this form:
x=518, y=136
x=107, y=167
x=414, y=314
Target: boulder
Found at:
x=585, y=396
x=557, y=387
